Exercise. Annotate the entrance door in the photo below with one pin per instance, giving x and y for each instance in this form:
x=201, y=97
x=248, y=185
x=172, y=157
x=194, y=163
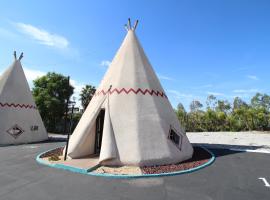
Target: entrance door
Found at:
x=99, y=130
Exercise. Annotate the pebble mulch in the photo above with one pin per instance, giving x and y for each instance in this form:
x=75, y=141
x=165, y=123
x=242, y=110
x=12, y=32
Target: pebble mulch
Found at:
x=54, y=152
x=200, y=156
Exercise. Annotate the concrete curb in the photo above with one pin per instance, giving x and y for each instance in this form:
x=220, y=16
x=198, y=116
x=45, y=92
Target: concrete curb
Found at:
x=59, y=166
x=88, y=171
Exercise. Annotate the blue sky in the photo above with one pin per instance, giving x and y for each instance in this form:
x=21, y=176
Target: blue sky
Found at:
x=196, y=47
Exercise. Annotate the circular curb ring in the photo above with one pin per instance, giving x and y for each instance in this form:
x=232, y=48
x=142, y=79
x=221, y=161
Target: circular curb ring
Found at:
x=87, y=172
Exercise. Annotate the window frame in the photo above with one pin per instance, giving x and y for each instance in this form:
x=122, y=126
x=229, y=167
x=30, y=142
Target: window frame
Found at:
x=175, y=138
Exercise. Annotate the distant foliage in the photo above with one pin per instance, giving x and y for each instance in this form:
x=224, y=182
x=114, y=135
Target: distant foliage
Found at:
x=221, y=115
x=50, y=93
x=86, y=95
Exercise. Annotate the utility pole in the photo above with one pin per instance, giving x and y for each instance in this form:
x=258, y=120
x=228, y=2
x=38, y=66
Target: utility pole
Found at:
x=65, y=129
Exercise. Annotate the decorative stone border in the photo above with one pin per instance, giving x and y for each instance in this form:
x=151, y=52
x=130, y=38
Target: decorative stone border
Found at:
x=89, y=171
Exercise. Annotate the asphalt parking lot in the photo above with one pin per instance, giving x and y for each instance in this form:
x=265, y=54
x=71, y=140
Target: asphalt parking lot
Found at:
x=234, y=175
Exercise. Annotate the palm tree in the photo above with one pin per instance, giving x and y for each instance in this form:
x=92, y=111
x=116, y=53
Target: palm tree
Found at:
x=86, y=95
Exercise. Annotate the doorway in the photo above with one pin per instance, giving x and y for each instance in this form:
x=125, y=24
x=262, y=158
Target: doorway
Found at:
x=99, y=130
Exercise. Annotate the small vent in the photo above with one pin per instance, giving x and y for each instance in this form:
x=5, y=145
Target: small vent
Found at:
x=175, y=138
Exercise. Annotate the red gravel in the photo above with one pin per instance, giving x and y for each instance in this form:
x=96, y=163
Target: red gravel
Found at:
x=200, y=156
x=54, y=152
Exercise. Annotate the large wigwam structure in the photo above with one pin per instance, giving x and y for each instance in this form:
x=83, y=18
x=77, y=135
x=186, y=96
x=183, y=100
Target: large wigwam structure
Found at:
x=130, y=120
x=20, y=121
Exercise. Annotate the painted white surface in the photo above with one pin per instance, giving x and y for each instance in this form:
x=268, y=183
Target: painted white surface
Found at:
x=138, y=123
x=266, y=183
x=14, y=89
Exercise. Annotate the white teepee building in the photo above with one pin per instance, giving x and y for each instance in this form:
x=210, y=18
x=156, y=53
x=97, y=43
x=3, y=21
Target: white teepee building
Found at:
x=20, y=121
x=130, y=120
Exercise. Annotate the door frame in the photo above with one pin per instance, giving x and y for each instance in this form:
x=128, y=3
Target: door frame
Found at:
x=99, y=131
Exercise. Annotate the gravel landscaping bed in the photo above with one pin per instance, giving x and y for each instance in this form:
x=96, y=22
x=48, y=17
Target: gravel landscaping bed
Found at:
x=54, y=152
x=200, y=156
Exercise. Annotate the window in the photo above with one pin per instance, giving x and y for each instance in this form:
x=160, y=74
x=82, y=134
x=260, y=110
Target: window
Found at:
x=175, y=138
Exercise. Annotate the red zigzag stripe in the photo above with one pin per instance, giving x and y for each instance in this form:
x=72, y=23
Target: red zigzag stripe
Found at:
x=131, y=90
x=17, y=105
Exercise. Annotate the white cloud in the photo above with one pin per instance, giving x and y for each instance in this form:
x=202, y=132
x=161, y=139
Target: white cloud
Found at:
x=245, y=91
x=42, y=36
x=77, y=86
x=180, y=95
x=253, y=77
x=240, y=96
x=32, y=74
x=215, y=93
x=202, y=86
x=77, y=90
x=162, y=77
x=105, y=63
x=207, y=86
x=240, y=69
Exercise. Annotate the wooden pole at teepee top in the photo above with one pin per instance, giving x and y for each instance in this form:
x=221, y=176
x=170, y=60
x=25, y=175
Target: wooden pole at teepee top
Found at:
x=129, y=24
x=21, y=56
x=135, y=26
x=15, y=55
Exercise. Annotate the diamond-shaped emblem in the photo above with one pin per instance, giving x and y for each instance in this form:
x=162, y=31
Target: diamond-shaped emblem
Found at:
x=15, y=131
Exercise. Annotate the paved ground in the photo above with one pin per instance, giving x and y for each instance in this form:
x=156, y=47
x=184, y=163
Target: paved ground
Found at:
x=234, y=175
x=252, y=140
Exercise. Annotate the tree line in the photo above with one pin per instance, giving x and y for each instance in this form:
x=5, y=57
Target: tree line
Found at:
x=52, y=91
x=221, y=115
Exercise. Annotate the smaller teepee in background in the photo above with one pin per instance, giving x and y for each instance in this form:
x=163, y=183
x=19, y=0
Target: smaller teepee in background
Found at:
x=20, y=121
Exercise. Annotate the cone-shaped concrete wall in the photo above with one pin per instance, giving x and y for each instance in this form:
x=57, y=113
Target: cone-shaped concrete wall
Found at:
x=20, y=120
x=143, y=127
